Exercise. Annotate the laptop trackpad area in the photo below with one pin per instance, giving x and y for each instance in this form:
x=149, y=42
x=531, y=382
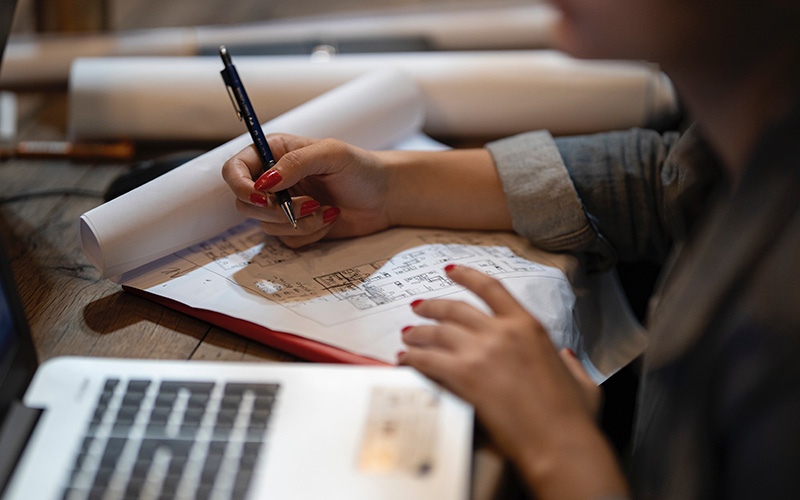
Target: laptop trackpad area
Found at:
x=400, y=431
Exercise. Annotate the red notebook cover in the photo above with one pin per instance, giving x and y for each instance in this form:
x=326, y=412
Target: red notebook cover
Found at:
x=293, y=344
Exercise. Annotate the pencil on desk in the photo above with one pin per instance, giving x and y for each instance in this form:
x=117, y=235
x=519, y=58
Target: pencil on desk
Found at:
x=117, y=151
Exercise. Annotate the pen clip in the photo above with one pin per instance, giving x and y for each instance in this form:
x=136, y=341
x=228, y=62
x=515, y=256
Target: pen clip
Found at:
x=233, y=101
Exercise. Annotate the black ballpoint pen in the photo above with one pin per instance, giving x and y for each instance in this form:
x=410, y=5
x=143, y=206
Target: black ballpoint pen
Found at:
x=244, y=110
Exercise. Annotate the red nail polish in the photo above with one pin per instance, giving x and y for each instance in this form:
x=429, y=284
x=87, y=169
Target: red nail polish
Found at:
x=571, y=352
x=449, y=267
x=416, y=303
x=330, y=214
x=259, y=199
x=308, y=207
x=268, y=180
x=406, y=328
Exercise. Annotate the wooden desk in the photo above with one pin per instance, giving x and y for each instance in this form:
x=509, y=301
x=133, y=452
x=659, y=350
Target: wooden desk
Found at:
x=71, y=310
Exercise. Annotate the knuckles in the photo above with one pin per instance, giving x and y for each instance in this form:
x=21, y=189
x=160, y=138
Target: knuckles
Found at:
x=333, y=146
x=292, y=160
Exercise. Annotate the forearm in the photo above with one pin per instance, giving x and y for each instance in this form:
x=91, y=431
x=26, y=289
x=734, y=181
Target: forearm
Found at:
x=457, y=189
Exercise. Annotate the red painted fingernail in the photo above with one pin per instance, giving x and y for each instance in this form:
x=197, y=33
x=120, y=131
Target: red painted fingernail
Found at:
x=330, y=214
x=259, y=199
x=416, y=303
x=268, y=180
x=449, y=267
x=571, y=352
x=406, y=328
x=309, y=207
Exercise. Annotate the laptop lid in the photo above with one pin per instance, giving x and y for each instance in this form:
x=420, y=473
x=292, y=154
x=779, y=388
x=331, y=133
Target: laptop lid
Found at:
x=17, y=366
x=17, y=355
x=7, y=8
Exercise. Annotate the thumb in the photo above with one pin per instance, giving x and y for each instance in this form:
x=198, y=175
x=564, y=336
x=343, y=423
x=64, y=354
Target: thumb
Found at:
x=326, y=156
x=592, y=394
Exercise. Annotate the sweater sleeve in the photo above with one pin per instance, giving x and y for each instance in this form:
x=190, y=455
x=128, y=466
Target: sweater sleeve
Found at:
x=617, y=195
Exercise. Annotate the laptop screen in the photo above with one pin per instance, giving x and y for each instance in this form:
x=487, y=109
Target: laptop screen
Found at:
x=17, y=357
x=6, y=324
x=7, y=8
x=17, y=354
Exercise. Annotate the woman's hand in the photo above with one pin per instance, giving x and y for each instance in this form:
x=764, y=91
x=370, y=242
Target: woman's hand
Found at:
x=338, y=190
x=525, y=392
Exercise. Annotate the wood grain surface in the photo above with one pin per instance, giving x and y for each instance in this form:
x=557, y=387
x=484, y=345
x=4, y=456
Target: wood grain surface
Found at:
x=71, y=310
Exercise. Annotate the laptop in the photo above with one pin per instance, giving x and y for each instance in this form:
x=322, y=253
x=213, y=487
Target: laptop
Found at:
x=94, y=428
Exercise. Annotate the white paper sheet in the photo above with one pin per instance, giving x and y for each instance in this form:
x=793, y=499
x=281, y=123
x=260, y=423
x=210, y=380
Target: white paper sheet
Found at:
x=355, y=294
x=180, y=237
x=465, y=94
x=192, y=203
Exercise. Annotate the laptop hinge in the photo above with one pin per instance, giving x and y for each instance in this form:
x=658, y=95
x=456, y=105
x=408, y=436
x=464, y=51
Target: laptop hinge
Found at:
x=17, y=428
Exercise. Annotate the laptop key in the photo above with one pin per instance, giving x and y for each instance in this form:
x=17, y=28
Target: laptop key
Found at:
x=138, y=386
x=194, y=387
x=258, y=389
x=180, y=415
x=110, y=385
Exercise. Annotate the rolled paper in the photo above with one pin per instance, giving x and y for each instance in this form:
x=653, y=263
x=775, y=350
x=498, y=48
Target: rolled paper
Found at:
x=466, y=94
x=192, y=202
x=46, y=59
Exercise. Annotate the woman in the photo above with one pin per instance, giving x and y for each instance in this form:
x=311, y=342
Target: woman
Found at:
x=719, y=408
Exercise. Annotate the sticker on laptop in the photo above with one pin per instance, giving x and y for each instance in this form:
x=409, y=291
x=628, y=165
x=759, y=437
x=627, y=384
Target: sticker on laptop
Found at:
x=400, y=432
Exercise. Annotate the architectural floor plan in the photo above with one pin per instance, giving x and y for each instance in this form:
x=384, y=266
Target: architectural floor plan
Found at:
x=355, y=294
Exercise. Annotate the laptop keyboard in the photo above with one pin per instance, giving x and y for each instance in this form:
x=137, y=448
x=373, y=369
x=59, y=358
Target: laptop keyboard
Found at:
x=172, y=440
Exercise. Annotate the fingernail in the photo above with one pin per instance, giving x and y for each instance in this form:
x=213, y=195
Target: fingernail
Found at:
x=309, y=207
x=330, y=214
x=400, y=355
x=449, y=267
x=268, y=180
x=571, y=352
x=416, y=303
x=405, y=329
x=259, y=199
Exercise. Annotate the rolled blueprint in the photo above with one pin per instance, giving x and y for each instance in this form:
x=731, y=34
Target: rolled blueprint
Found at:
x=466, y=94
x=192, y=203
x=45, y=60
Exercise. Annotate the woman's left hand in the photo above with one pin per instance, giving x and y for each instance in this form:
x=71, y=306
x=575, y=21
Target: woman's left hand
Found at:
x=536, y=403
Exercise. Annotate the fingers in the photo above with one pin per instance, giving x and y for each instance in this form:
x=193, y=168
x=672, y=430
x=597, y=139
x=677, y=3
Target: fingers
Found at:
x=435, y=365
x=452, y=311
x=263, y=207
x=240, y=170
x=445, y=337
x=297, y=241
x=321, y=157
x=593, y=396
x=491, y=291
x=298, y=157
x=280, y=144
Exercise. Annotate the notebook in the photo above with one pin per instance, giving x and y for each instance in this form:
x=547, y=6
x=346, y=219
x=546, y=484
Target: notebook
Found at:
x=92, y=428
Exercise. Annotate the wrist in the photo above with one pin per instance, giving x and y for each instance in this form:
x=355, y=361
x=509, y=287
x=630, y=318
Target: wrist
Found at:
x=577, y=463
x=394, y=164
x=456, y=189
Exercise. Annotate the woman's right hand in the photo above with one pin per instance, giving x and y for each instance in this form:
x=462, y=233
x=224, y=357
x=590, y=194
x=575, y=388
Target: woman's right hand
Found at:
x=338, y=190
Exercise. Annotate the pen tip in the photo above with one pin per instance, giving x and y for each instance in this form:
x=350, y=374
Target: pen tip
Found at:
x=287, y=209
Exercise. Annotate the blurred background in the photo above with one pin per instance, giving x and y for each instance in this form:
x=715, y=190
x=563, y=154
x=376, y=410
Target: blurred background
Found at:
x=115, y=15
